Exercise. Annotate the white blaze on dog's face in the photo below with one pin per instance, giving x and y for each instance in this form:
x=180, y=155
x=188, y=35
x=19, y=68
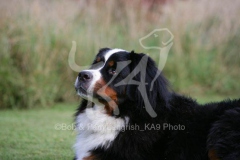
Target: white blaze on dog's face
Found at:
x=89, y=82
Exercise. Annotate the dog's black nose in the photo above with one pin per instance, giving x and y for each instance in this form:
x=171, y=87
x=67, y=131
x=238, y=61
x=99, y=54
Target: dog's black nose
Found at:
x=85, y=76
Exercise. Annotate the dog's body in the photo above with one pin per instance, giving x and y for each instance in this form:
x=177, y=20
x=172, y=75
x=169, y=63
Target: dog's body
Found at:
x=114, y=122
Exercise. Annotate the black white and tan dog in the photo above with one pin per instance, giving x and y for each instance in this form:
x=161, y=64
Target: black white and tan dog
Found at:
x=117, y=121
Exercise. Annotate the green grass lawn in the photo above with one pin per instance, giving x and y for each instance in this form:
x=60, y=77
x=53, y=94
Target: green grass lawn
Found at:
x=212, y=98
x=32, y=134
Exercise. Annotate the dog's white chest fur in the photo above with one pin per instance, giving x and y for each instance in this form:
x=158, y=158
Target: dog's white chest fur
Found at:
x=95, y=128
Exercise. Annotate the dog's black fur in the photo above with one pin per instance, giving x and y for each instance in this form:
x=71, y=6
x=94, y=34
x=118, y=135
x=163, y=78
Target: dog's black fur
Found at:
x=211, y=131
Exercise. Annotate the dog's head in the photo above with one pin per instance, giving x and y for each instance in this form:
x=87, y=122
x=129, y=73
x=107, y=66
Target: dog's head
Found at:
x=117, y=76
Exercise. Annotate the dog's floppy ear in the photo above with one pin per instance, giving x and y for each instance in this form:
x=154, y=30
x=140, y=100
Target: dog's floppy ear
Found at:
x=144, y=72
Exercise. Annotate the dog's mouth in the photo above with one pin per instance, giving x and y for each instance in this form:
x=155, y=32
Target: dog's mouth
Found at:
x=97, y=94
x=81, y=90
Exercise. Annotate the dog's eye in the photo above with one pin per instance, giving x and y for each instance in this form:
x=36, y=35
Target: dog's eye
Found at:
x=112, y=71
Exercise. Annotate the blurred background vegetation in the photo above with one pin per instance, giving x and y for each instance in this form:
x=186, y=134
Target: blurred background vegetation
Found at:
x=36, y=37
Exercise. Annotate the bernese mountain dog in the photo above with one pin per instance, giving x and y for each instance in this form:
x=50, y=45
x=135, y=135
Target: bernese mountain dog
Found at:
x=129, y=112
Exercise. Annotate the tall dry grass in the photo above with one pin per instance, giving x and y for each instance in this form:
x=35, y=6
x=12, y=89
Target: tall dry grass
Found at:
x=207, y=34
x=36, y=36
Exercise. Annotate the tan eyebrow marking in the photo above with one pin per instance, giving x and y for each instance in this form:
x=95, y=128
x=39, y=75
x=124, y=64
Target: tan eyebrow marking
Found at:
x=98, y=59
x=111, y=63
x=212, y=155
